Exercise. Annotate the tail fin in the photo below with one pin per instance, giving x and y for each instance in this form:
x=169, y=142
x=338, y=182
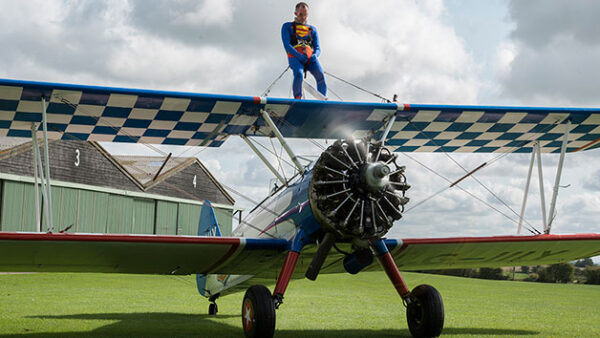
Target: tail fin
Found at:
x=207, y=226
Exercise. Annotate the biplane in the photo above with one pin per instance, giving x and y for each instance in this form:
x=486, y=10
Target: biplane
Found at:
x=330, y=217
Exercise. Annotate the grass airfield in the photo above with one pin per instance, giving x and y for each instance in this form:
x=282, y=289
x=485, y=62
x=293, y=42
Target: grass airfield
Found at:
x=98, y=305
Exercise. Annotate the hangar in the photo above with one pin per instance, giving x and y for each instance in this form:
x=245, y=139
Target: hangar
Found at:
x=96, y=192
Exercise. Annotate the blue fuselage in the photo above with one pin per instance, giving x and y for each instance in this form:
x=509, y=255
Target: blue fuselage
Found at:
x=283, y=213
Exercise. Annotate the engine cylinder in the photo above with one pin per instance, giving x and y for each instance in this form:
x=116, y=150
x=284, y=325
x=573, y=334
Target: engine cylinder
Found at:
x=357, y=189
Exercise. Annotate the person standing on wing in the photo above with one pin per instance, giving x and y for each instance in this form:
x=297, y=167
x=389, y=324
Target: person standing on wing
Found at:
x=301, y=43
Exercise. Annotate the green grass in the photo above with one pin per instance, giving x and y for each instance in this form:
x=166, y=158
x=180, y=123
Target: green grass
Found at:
x=74, y=305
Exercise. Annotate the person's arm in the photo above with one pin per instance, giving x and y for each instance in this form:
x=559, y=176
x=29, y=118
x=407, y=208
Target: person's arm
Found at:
x=286, y=32
x=316, y=44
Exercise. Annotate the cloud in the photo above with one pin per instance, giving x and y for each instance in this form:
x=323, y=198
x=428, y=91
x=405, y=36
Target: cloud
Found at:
x=554, y=57
x=235, y=47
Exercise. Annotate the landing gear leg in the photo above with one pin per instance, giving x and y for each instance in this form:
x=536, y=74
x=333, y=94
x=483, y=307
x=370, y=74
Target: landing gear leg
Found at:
x=213, y=309
x=424, y=306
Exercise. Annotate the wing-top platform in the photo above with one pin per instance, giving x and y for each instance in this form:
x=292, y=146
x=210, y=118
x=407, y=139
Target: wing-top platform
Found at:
x=178, y=118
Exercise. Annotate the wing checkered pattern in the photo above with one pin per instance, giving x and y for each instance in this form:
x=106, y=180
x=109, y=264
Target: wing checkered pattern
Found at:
x=472, y=129
x=160, y=117
x=121, y=115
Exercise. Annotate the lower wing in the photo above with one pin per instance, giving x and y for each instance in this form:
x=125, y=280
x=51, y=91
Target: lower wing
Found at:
x=181, y=255
x=143, y=254
x=490, y=252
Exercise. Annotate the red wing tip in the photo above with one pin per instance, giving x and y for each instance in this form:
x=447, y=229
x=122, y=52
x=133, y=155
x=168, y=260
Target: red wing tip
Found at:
x=260, y=100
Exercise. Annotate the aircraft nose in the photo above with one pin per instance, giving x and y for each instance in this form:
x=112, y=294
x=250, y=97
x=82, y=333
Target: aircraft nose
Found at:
x=357, y=189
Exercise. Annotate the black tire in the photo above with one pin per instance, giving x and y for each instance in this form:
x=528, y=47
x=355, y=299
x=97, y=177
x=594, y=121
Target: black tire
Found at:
x=425, y=313
x=258, y=312
x=213, y=309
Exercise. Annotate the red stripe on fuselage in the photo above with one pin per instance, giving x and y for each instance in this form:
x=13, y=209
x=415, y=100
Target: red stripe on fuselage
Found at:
x=283, y=217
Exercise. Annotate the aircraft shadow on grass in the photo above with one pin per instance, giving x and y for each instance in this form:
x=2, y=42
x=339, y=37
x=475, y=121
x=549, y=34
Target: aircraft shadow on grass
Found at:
x=183, y=324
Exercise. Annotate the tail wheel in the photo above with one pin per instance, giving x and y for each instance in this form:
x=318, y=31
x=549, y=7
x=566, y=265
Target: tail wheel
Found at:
x=213, y=309
x=258, y=312
x=425, y=312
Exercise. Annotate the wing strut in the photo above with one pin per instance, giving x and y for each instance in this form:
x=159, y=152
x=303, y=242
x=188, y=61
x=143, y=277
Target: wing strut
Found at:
x=388, y=128
x=288, y=150
x=34, y=146
x=47, y=164
x=538, y=150
x=561, y=162
x=262, y=158
x=38, y=167
x=536, y=153
x=527, y=188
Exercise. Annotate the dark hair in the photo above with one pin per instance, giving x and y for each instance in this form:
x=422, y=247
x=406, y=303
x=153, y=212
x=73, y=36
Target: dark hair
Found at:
x=301, y=4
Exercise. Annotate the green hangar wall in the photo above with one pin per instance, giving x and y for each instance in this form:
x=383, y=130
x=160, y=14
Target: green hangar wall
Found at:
x=120, y=200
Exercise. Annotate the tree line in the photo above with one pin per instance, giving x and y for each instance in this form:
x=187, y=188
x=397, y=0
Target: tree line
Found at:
x=581, y=271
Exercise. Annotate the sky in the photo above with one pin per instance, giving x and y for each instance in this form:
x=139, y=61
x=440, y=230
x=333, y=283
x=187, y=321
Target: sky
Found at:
x=498, y=52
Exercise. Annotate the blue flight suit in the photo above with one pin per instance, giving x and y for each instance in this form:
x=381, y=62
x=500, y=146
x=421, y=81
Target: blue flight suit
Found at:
x=304, y=33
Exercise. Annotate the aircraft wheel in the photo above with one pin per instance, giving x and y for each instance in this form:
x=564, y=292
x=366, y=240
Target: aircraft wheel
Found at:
x=258, y=312
x=213, y=309
x=425, y=314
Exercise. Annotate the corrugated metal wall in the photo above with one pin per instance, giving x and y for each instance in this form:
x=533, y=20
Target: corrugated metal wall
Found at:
x=100, y=212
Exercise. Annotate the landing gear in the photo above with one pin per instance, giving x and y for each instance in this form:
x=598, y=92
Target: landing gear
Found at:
x=258, y=308
x=213, y=309
x=424, y=306
x=258, y=312
x=425, y=312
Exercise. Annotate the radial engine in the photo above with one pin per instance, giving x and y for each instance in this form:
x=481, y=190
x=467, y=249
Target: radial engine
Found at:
x=357, y=189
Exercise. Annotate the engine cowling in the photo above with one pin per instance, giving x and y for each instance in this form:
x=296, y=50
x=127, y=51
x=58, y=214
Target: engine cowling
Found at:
x=357, y=189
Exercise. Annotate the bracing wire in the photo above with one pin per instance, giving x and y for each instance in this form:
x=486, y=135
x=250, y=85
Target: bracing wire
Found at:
x=359, y=88
x=268, y=90
x=271, y=152
x=529, y=227
x=279, y=167
x=334, y=93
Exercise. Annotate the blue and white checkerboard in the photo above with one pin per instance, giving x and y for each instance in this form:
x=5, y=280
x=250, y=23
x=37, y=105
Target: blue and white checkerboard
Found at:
x=158, y=117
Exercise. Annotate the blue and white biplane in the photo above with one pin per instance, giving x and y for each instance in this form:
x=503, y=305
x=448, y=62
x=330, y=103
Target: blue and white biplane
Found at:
x=347, y=199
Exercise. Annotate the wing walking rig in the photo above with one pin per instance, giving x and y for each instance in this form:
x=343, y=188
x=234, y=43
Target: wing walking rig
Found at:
x=348, y=199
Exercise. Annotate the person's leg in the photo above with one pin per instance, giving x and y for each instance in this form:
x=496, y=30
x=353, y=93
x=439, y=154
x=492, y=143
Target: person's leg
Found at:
x=314, y=67
x=298, y=70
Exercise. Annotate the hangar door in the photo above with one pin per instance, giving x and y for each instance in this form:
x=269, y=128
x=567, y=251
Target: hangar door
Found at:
x=87, y=211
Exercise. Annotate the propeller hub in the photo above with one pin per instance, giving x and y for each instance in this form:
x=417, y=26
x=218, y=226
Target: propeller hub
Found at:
x=375, y=176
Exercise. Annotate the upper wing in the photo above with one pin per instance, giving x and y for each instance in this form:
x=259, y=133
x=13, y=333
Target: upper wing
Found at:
x=148, y=254
x=161, y=117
